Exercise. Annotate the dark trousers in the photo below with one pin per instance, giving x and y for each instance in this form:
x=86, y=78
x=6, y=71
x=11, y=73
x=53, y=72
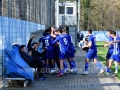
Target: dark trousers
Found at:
x=37, y=63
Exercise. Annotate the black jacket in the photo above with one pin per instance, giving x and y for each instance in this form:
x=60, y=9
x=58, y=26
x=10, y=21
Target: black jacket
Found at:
x=27, y=58
x=35, y=53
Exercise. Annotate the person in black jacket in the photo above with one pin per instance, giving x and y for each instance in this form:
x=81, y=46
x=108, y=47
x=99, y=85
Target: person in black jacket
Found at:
x=85, y=42
x=32, y=58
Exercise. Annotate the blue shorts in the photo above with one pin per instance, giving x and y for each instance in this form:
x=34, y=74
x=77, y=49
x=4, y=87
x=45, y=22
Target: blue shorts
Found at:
x=91, y=54
x=49, y=53
x=71, y=52
x=115, y=58
x=56, y=50
x=109, y=53
x=63, y=55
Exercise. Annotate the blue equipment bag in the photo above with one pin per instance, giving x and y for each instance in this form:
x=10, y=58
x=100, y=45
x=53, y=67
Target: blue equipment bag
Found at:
x=15, y=66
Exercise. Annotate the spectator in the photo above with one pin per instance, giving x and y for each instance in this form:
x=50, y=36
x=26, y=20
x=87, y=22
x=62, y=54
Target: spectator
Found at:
x=85, y=42
x=80, y=37
x=32, y=58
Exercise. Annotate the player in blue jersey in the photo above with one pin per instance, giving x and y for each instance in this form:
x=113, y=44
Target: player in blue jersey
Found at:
x=63, y=45
x=71, y=53
x=92, y=53
x=47, y=43
x=55, y=34
x=110, y=49
x=116, y=53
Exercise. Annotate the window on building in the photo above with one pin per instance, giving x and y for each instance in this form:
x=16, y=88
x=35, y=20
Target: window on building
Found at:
x=69, y=10
x=61, y=10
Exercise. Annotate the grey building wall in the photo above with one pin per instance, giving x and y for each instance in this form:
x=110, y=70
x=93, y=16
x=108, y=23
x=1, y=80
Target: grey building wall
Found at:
x=67, y=19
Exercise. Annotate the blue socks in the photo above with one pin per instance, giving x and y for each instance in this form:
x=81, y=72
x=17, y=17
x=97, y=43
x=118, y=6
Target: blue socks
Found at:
x=99, y=65
x=61, y=71
x=71, y=64
x=65, y=64
x=108, y=70
x=86, y=66
x=74, y=64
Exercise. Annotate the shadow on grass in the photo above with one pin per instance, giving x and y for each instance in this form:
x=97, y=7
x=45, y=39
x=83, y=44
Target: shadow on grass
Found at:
x=102, y=58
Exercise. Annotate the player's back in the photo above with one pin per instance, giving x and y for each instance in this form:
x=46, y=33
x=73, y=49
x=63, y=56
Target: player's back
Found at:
x=70, y=41
x=110, y=40
x=47, y=41
x=92, y=39
x=63, y=42
x=116, y=46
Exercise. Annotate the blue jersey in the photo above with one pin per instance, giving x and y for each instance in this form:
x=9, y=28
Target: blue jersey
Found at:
x=111, y=39
x=116, y=46
x=63, y=42
x=93, y=41
x=70, y=41
x=47, y=41
x=56, y=48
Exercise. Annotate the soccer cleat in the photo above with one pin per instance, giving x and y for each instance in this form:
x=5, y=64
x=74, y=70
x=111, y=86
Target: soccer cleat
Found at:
x=101, y=72
x=59, y=75
x=65, y=71
x=85, y=73
x=71, y=71
x=57, y=71
x=75, y=70
x=52, y=71
x=116, y=72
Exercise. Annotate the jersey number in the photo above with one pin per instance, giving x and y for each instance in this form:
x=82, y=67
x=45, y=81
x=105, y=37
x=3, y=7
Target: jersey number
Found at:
x=46, y=42
x=65, y=40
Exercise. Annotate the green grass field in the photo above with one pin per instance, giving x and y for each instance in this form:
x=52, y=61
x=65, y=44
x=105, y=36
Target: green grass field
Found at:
x=102, y=56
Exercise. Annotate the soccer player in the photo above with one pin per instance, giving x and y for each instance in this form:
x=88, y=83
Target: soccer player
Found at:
x=55, y=34
x=116, y=53
x=92, y=53
x=71, y=53
x=63, y=45
x=110, y=49
x=47, y=42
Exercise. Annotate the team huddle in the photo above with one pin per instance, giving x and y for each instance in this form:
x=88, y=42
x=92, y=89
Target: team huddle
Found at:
x=59, y=46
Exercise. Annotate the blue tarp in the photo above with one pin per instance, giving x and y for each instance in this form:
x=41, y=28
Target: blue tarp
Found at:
x=15, y=66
